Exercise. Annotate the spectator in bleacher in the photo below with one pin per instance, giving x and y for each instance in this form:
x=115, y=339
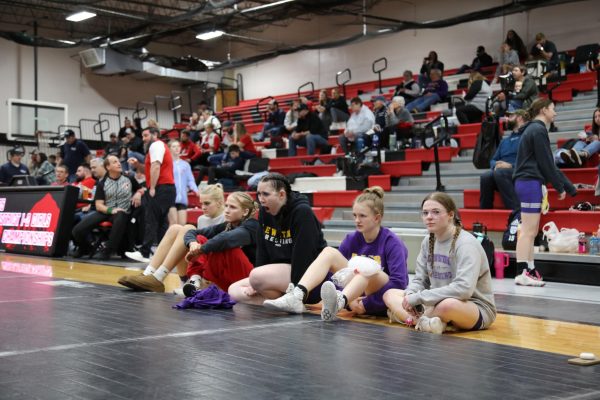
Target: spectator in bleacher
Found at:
x=210, y=143
x=62, y=175
x=452, y=282
x=481, y=60
x=84, y=180
x=338, y=109
x=97, y=167
x=194, y=127
x=430, y=63
x=506, y=62
x=586, y=145
x=222, y=254
x=244, y=141
x=152, y=123
x=309, y=132
x=226, y=170
x=73, y=152
x=202, y=107
x=409, y=88
x=499, y=177
x=274, y=122
x=13, y=167
x=516, y=43
x=476, y=98
x=113, y=146
x=362, y=293
x=42, y=169
x=545, y=50
x=528, y=93
x=184, y=183
x=137, y=127
x=115, y=196
x=133, y=142
x=126, y=125
x=190, y=152
x=435, y=91
x=535, y=168
x=208, y=117
x=52, y=160
x=227, y=138
x=379, y=111
x=323, y=110
x=290, y=239
x=360, y=122
x=160, y=194
x=291, y=117
x=399, y=121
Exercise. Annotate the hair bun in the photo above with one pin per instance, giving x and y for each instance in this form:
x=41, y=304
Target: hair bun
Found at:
x=376, y=190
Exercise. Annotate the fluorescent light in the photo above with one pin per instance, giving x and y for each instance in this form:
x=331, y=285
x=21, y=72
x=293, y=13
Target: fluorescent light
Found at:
x=211, y=64
x=66, y=41
x=384, y=30
x=262, y=7
x=209, y=35
x=80, y=16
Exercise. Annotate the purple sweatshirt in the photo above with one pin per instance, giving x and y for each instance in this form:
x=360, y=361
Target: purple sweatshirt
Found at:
x=390, y=252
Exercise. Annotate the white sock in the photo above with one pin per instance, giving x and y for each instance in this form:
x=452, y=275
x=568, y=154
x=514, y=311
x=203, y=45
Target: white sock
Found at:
x=161, y=273
x=530, y=265
x=149, y=270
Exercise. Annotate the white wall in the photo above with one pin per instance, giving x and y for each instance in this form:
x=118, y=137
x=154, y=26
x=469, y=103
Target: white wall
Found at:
x=567, y=25
x=62, y=80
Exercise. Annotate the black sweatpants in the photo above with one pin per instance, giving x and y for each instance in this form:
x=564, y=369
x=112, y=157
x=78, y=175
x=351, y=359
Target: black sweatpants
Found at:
x=155, y=217
x=88, y=223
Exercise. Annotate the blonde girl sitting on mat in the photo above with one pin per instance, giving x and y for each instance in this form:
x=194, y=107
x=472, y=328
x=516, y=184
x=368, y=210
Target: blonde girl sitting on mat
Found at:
x=377, y=264
x=452, y=282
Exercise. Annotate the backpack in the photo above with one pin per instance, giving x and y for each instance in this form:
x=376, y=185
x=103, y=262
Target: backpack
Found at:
x=487, y=244
x=509, y=237
x=487, y=142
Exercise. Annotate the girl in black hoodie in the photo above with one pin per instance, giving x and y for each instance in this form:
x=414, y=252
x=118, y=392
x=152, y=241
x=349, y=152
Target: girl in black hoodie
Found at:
x=289, y=240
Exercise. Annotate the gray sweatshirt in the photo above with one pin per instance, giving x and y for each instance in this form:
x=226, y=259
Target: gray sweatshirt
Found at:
x=510, y=58
x=463, y=276
x=399, y=115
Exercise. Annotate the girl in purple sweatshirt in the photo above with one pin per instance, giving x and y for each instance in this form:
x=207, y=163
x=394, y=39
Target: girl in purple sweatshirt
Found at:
x=363, y=292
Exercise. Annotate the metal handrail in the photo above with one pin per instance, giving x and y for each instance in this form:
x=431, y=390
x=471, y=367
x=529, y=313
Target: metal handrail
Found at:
x=97, y=127
x=312, y=88
x=441, y=137
x=343, y=84
x=380, y=70
x=259, y=102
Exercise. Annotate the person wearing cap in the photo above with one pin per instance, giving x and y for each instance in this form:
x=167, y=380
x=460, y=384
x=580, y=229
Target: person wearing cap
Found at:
x=545, y=50
x=310, y=132
x=482, y=59
x=73, y=152
x=113, y=146
x=360, y=122
x=274, y=122
x=41, y=168
x=499, y=177
x=13, y=166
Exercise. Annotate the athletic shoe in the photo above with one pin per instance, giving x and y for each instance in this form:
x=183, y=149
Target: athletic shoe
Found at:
x=290, y=302
x=193, y=285
x=431, y=325
x=147, y=283
x=527, y=279
x=137, y=256
x=576, y=157
x=567, y=159
x=394, y=318
x=124, y=280
x=333, y=301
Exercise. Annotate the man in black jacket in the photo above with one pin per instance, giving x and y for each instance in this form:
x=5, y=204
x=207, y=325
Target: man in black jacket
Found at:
x=309, y=133
x=481, y=60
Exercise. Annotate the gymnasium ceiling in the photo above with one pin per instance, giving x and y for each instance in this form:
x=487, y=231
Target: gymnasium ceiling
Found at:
x=164, y=31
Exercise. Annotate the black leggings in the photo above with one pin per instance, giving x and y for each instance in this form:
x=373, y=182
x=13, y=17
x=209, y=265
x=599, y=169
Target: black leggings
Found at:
x=468, y=114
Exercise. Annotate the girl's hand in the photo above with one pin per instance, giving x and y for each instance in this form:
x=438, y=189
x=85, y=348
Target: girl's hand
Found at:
x=195, y=249
x=357, y=306
x=407, y=307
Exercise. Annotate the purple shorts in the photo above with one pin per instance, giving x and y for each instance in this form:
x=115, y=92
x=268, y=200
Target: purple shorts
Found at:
x=529, y=192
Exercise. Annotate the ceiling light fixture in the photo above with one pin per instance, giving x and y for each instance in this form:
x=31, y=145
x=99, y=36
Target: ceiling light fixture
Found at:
x=209, y=35
x=262, y=7
x=80, y=16
x=66, y=41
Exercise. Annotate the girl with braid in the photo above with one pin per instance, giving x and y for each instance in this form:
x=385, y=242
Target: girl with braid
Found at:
x=452, y=281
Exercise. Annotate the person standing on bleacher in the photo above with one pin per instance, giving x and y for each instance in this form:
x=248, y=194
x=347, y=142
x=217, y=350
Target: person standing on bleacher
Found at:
x=73, y=152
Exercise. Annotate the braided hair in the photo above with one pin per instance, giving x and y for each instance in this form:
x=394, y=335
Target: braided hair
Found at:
x=450, y=207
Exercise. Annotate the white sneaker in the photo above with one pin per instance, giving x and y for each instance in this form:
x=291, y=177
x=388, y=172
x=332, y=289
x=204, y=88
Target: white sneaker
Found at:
x=290, y=302
x=136, y=256
x=431, y=325
x=394, y=318
x=527, y=279
x=195, y=283
x=333, y=301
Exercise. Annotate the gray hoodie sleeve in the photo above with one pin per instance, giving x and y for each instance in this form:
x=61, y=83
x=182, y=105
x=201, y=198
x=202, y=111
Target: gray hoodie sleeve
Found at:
x=468, y=264
x=421, y=279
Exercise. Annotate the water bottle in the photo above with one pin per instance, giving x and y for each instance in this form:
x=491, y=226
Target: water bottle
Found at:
x=393, y=142
x=375, y=142
x=594, y=245
x=360, y=144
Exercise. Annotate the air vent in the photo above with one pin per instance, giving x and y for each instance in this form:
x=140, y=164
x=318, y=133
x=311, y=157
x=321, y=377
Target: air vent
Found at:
x=92, y=58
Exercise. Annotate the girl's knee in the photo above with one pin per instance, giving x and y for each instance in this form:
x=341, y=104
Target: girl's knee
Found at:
x=392, y=294
x=447, y=306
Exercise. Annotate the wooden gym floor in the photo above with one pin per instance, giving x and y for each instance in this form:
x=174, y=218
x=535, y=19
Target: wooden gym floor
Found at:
x=67, y=331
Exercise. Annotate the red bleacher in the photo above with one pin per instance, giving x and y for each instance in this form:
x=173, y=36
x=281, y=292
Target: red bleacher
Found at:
x=471, y=199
